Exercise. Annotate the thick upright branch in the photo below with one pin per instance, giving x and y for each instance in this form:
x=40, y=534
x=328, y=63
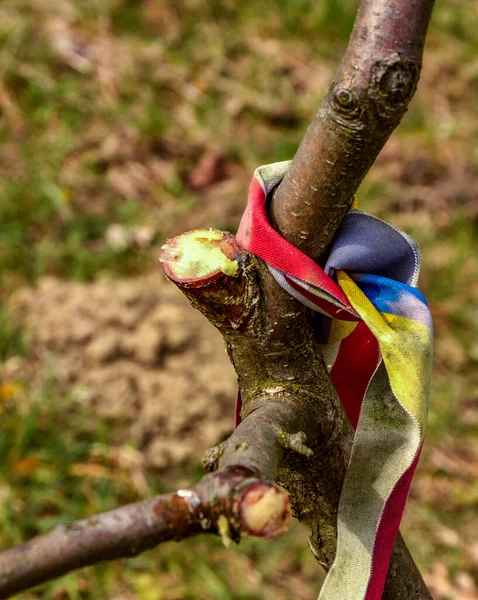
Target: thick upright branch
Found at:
x=271, y=343
x=283, y=379
x=368, y=97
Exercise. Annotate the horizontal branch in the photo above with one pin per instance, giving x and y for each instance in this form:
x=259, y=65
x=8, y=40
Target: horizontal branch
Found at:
x=236, y=500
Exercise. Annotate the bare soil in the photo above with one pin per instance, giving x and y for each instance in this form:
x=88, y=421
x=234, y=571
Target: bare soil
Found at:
x=137, y=354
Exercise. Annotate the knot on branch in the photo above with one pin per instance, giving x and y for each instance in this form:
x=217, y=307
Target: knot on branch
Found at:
x=212, y=457
x=345, y=102
x=294, y=441
x=342, y=107
x=393, y=83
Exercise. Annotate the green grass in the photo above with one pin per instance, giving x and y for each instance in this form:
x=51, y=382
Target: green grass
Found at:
x=164, y=90
x=40, y=467
x=50, y=478
x=41, y=232
x=12, y=339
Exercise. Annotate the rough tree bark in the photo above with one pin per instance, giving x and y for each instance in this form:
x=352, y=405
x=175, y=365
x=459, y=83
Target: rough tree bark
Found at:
x=294, y=430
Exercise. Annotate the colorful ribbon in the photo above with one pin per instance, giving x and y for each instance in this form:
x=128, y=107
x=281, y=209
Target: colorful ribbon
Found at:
x=378, y=349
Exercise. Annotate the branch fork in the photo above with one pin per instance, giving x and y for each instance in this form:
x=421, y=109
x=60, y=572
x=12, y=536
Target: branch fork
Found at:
x=294, y=434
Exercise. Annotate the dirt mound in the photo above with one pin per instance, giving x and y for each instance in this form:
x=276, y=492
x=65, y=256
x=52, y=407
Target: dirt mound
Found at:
x=137, y=353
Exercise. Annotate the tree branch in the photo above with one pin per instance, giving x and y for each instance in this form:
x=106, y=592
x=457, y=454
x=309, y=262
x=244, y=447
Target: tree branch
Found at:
x=235, y=500
x=366, y=101
x=368, y=97
x=271, y=343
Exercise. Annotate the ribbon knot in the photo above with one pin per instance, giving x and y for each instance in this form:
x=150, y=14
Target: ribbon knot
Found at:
x=377, y=340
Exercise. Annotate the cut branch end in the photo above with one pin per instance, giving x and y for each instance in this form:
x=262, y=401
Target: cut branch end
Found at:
x=199, y=255
x=264, y=510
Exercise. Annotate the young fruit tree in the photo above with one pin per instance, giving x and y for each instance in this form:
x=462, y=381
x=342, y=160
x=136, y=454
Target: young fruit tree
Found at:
x=331, y=405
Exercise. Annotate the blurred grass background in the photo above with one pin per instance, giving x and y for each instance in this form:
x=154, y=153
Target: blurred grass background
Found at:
x=123, y=122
